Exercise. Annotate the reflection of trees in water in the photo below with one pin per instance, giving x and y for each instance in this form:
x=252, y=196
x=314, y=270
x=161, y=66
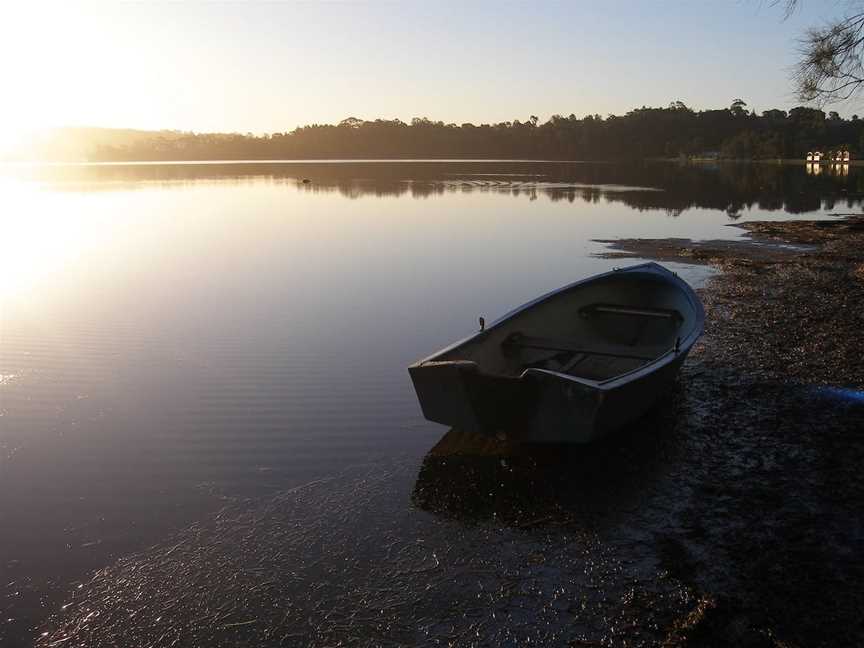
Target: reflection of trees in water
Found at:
x=729, y=188
x=732, y=188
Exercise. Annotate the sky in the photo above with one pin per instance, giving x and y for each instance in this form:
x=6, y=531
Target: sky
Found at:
x=268, y=67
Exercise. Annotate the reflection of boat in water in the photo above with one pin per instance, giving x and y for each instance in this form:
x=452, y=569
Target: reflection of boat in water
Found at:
x=481, y=477
x=571, y=365
x=475, y=476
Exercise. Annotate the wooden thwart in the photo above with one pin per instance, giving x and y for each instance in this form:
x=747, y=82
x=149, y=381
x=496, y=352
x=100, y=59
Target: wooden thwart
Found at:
x=659, y=313
x=552, y=344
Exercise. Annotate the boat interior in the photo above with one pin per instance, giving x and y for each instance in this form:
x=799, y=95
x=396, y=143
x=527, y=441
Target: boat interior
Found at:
x=595, y=331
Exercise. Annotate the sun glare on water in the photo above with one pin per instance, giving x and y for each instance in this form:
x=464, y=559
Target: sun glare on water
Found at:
x=32, y=248
x=44, y=233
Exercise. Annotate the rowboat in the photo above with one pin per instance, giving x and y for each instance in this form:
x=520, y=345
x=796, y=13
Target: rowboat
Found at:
x=571, y=365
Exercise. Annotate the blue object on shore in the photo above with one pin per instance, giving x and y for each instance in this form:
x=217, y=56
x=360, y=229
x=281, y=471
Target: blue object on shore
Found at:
x=842, y=393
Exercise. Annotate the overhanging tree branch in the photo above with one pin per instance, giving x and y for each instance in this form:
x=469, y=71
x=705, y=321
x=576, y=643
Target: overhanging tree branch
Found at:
x=831, y=60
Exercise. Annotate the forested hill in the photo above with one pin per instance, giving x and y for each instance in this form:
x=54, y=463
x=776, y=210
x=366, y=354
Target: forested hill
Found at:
x=733, y=132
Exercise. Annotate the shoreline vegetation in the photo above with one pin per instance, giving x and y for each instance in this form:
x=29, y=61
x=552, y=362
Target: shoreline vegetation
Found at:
x=676, y=131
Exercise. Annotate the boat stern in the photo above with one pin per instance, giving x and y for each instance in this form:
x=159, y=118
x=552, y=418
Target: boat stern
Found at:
x=458, y=394
x=442, y=390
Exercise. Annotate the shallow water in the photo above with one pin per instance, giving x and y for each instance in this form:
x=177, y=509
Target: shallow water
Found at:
x=175, y=335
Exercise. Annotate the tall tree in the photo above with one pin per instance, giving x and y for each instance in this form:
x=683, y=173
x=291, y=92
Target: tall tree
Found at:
x=738, y=108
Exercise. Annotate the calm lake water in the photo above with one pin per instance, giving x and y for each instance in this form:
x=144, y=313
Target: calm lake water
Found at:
x=175, y=337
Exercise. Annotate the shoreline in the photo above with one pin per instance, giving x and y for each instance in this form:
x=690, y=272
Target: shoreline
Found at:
x=729, y=516
x=779, y=369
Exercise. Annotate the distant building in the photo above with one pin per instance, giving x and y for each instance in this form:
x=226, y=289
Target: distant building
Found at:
x=837, y=157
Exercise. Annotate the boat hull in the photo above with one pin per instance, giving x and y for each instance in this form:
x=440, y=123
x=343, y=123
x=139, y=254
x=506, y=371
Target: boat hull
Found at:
x=538, y=407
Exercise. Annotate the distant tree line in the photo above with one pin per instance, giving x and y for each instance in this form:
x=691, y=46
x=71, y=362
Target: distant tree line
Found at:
x=673, y=131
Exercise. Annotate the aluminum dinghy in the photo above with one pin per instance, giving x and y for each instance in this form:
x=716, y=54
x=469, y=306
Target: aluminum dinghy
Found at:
x=571, y=365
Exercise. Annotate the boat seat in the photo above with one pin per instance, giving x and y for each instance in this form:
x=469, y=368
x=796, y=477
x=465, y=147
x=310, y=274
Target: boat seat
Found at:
x=632, y=311
x=521, y=341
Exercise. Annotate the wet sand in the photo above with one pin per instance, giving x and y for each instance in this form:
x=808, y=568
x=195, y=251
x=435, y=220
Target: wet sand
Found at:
x=732, y=515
